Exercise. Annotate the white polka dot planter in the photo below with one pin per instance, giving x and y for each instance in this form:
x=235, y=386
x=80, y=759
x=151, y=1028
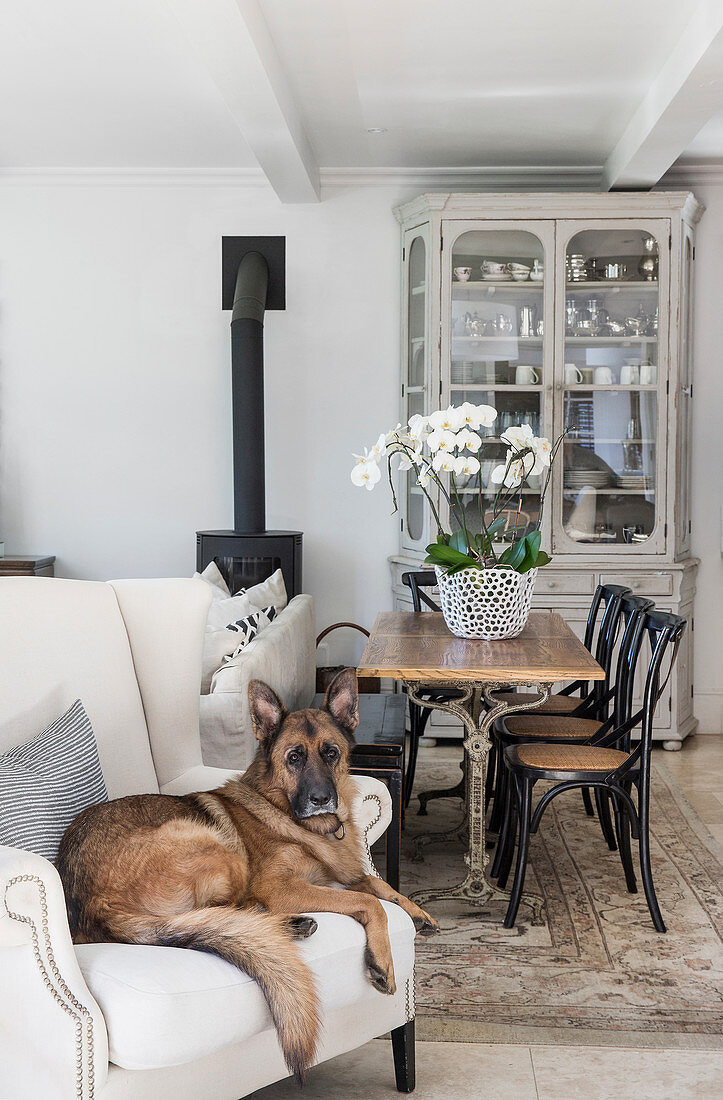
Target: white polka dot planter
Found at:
x=486, y=603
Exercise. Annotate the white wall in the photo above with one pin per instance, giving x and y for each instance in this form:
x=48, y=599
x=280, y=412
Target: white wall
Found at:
x=115, y=379
x=115, y=430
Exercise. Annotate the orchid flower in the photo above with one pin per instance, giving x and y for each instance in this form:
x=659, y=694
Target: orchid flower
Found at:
x=442, y=439
x=466, y=466
x=449, y=420
x=468, y=439
x=418, y=425
x=444, y=462
x=366, y=474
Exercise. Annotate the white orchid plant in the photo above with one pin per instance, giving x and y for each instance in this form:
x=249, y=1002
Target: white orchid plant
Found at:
x=442, y=450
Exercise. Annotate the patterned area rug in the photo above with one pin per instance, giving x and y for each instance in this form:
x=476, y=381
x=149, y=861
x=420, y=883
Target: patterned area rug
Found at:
x=596, y=973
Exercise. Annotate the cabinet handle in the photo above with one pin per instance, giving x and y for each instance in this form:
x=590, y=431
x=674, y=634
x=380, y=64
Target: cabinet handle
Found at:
x=552, y=584
x=635, y=584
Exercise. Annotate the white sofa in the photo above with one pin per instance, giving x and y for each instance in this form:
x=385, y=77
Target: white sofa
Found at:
x=118, y=1021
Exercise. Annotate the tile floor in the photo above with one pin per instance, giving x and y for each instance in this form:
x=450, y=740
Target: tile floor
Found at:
x=458, y=1071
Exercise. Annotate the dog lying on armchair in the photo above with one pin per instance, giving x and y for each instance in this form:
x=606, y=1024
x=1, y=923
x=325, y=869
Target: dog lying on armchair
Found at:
x=232, y=871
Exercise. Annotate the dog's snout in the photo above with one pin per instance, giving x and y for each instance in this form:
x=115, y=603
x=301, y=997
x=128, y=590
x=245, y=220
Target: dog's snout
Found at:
x=319, y=798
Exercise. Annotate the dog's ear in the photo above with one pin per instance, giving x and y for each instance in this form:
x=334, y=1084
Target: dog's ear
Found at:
x=342, y=700
x=267, y=710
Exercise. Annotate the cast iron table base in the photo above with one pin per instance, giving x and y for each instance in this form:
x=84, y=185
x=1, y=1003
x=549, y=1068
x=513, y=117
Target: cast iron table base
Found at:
x=477, y=724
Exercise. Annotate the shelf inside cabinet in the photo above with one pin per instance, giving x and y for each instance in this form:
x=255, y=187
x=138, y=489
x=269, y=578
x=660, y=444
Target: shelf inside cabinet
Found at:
x=599, y=341
x=419, y=289
x=508, y=386
x=508, y=284
x=567, y=491
x=614, y=284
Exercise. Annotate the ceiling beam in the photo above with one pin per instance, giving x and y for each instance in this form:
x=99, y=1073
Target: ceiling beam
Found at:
x=686, y=93
x=234, y=42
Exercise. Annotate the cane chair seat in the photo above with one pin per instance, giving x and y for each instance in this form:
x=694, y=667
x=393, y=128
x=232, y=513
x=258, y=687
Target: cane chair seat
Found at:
x=556, y=704
x=566, y=758
x=552, y=728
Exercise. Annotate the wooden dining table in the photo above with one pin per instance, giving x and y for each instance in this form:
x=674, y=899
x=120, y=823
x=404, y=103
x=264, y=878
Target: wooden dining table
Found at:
x=418, y=649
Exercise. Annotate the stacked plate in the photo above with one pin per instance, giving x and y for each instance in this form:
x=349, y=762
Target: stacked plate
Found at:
x=578, y=479
x=641, y=482
x=577, y=268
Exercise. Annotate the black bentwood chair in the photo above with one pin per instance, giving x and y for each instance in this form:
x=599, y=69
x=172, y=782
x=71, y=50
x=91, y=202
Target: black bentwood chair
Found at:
x=592, y=704
x=419, y=716
x=607, y=763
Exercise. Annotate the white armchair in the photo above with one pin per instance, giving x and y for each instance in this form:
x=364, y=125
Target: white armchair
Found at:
x=118, y=1021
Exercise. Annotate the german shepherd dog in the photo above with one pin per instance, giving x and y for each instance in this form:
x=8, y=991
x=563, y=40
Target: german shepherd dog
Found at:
x=231, y=871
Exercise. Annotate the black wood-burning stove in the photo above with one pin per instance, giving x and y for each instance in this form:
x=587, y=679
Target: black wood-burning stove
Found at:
x=254, y=280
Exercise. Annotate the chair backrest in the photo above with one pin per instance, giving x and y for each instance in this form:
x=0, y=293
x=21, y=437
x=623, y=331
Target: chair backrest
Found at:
x=665, y=632
x=605, y=596
x=633, y=611
x=130, y=650
x=416, y=582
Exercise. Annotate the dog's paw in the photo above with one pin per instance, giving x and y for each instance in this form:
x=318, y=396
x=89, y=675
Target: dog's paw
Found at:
x=301, y=927
x=426, y=925
x=378, y=976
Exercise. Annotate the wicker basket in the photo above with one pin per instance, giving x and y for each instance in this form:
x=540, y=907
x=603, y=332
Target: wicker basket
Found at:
x=368, y=685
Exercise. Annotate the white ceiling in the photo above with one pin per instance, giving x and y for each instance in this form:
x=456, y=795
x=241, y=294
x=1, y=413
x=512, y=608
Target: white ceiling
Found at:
x=708, y=143
x=455, y=83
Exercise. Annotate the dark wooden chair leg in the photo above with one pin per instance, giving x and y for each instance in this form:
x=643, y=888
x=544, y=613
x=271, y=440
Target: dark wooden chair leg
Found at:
x=602, y=802
x=503, y=794
x=447, y=792
x=510, y=828
x=524, y=801
x=491, y=771
x=587, y=802
x=622, y=832
x=498, y=798
x=416, y=730
x=646, y=872
x=404, y=1058
x=394, y=832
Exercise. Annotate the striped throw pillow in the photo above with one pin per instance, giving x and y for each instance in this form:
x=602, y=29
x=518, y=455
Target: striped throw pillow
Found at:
x=47, y=782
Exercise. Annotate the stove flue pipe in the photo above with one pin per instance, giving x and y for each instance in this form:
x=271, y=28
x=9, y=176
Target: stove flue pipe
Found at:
x=247, y=393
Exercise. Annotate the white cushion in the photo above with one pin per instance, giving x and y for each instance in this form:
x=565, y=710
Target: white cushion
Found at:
x=166, y=1005
x=221, y=642
x=213, y=576
x=62, y=640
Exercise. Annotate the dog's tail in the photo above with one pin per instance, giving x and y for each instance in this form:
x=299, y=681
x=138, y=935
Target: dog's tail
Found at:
x=258, y=943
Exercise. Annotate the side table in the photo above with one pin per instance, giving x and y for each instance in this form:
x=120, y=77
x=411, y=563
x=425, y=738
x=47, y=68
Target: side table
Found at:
x=27, y=565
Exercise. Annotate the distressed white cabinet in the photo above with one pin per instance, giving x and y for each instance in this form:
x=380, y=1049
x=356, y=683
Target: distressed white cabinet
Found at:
x=568, y=312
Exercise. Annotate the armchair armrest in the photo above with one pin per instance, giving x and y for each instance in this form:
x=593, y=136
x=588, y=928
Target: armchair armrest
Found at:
x=372, y=812
x=53, y=1038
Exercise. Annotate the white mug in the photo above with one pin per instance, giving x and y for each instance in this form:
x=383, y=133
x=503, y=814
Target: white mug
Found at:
x=629, y=374
x=462, y=274
x=603, y=376
x=647, y=374
x=573, y=374
x=526, y=376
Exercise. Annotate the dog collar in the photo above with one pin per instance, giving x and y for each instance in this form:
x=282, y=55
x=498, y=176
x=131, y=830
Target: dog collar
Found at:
x=337, y=834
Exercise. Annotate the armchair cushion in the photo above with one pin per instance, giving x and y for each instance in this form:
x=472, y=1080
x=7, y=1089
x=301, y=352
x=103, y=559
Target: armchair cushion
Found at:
x=47, y=782
x=166, y=1005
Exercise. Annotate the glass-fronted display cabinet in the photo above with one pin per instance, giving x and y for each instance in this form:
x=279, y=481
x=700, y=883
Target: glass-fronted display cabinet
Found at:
x=568, y=313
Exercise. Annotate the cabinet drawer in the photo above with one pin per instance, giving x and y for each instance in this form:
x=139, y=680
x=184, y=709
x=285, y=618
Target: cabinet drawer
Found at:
x=650, y=584
x=565, y=584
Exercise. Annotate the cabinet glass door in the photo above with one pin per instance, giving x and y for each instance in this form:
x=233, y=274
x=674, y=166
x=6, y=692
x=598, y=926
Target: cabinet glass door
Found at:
x=495, y=345
x=415, y=388
x=612, y=329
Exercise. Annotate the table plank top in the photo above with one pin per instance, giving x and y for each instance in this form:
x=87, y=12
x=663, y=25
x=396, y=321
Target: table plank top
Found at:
x=418, y=647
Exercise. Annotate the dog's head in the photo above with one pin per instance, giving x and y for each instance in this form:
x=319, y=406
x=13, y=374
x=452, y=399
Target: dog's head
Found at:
x=307, y=751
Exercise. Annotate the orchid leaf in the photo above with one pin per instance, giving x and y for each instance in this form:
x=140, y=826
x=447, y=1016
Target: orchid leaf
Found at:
x=458, y=541
x=542, y=559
